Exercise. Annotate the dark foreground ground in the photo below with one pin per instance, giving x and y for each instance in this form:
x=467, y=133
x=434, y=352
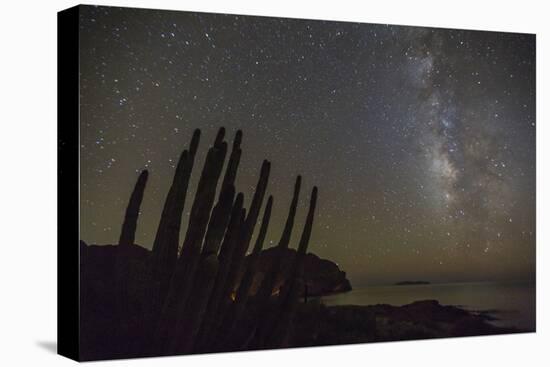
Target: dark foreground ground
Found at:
x=107, y=334
x=317, y=324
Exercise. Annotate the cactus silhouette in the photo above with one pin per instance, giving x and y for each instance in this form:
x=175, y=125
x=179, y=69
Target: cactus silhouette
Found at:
x=128, y=232
x=268, y=283
x=199, y=300
x=243, y=292
x=165, y=247
x=276, y=333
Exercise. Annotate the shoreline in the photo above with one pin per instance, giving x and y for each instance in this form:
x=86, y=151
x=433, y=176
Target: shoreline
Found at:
x=505, y=304
x=319, y=324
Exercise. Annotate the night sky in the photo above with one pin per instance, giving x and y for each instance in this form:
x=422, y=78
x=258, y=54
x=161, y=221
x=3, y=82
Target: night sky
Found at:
x=421, y=140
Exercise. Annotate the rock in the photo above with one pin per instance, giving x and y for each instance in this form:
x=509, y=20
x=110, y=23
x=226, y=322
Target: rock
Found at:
x=318, y=324
x=98, y=264
x=322, y=276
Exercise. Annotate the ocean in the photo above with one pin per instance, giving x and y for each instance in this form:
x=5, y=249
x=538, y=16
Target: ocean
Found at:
x=513, y=304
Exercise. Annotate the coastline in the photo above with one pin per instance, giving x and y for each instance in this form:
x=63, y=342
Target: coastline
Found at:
x=506, y=304
x=317, y=324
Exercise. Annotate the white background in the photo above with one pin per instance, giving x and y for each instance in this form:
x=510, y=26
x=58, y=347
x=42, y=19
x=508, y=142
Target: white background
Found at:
x=28, y=183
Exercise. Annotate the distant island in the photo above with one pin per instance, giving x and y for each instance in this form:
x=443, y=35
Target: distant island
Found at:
x=412, y=282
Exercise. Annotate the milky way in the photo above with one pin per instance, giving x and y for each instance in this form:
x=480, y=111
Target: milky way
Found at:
x=421, y=140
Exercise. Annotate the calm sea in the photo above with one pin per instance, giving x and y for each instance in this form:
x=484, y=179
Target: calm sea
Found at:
x=512, y=303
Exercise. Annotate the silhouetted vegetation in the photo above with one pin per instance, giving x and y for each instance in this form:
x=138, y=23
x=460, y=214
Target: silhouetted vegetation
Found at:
x=198, y=300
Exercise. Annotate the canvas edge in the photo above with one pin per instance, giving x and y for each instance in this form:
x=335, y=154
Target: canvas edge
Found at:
x=68, y=175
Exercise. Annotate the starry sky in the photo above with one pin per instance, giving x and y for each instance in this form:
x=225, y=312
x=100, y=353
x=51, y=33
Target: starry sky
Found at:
x=421, y=140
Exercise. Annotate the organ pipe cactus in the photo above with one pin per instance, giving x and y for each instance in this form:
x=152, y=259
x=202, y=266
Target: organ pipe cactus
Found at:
x=183, y=275
x=268, y=283
x=203, y=294
x=165, y=247
x=276, y=332
x=248, y=229
x=245, y=284
x=210, y=321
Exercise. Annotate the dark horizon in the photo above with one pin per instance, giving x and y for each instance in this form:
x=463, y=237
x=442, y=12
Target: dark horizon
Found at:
x=421, y=140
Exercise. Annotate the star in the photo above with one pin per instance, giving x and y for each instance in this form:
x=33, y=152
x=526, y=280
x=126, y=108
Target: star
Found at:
x=421, y=140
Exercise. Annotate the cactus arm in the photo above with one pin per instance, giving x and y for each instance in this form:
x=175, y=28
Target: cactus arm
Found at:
x=128, y=232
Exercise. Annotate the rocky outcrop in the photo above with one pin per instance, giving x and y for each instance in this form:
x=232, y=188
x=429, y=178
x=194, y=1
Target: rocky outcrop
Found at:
x=321, y=277
x=331, y=325
x=98, y=265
